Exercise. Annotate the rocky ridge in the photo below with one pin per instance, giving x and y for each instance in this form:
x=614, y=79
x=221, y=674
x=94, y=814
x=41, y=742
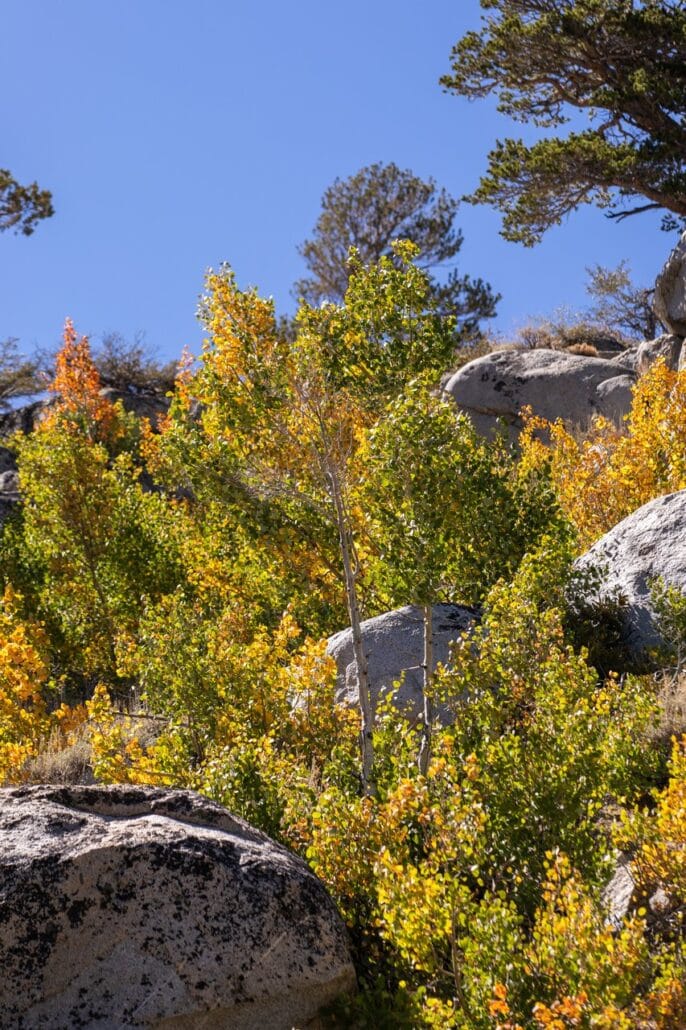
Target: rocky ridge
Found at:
x=494, y=388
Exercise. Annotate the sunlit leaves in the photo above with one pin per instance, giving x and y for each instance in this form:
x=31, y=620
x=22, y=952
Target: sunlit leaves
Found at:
x=612, y=471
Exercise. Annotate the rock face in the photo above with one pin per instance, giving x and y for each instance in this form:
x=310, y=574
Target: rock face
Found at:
x=139, y=907
x=669, y=299
x=8, y=462
x=394, y=645
x=648, y=544
x=555, y=384
x=627, y=360
x=621, y=895
x=24, y=419
x=666, y=346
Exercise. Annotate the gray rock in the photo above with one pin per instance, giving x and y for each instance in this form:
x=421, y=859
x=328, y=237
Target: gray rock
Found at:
x=24, y=419
x=139, y=907
x=627, y=360
x=622, y=896
x=394, y=645
x=618, y=894
x=9, y=492
x=615, y=396
x=555, y=384
x=8, y=461
x=150, y=404
x=669, y=299
x=647, y=545
x=9, y=483
x=666, y=346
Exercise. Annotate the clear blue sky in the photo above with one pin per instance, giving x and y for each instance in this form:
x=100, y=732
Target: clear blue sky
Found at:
x=176, y=135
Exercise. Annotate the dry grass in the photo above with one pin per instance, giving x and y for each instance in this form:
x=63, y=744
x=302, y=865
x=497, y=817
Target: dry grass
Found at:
x=72, y=763
x=59, y=764
x=585, y=349
x=672, y=702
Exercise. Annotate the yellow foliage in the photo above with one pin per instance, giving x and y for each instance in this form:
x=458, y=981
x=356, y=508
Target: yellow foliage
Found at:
x=119, y=756
x=24, y=719
x=27, y=722
x=661, y=859
x=586, y=965
x=611, y=472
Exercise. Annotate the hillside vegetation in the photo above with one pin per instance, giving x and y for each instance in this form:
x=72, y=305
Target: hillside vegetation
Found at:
x=168, y=591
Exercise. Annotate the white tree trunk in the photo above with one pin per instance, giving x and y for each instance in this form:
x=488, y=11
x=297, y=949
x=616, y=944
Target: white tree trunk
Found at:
x=427, y=683
x=350, y=573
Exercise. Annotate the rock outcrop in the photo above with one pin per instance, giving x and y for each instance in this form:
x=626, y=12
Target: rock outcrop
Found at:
x=139, y=907
x=666, y=346
x=619, y=892
x=23, y=419
x=394, y=645
x=669, y=299
x=493, y=389
x=647, y=545
x=621, y=898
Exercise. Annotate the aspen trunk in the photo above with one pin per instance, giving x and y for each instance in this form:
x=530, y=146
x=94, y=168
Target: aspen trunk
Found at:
x=350, y=573
x=427, y=683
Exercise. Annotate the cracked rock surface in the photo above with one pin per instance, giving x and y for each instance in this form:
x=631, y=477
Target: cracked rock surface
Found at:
x=137, y=906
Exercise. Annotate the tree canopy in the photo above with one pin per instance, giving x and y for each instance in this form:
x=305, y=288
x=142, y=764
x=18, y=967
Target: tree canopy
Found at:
x=21, y=207
x=622, y=63
x=368, y=211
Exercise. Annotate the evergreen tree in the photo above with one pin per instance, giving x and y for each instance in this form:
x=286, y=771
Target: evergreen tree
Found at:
x=622, y=63
x=368, y=211
x=21, y=207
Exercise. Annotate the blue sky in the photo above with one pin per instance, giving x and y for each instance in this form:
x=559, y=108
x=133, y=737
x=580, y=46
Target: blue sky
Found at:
x=176, y=135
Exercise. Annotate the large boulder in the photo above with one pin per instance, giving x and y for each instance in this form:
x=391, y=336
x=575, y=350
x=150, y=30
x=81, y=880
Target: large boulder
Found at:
x=394, y=645
x=493, y=389
x=647, y=545
x=669, y=299
x=140, y=907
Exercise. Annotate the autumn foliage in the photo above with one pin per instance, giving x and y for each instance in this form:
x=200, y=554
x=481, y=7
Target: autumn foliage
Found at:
x=78, y=389
x=168, y=592
x=612, y=470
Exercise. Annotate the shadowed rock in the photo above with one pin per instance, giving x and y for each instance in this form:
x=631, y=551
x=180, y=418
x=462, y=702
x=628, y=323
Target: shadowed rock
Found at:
x=23, y=419
x=647, y=545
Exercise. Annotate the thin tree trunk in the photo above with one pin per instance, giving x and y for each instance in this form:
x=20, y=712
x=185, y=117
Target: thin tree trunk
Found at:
x=428, y=667
x=350, y=573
